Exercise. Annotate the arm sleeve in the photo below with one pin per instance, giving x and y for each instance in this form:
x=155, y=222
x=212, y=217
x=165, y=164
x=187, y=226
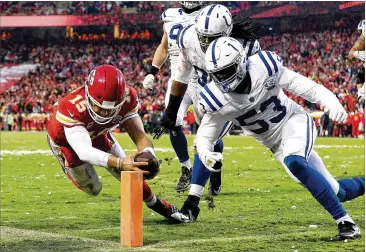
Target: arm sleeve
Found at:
x=208, y=133
x=79, y=140
x=306, y=88
x=184, y=68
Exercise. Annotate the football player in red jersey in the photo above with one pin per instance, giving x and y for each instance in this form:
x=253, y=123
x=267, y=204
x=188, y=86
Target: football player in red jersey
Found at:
x=79, y=134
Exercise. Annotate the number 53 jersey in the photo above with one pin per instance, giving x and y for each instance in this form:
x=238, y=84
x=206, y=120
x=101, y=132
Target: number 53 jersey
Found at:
x=71, y=111
x=264, y=110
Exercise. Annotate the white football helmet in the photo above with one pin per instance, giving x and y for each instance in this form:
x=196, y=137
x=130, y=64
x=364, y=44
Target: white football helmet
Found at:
x=212, y=22
x=191, y=4
x=226, y=62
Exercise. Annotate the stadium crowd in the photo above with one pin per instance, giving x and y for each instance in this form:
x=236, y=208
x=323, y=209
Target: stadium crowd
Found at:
x=13, y=8
x=320, y=56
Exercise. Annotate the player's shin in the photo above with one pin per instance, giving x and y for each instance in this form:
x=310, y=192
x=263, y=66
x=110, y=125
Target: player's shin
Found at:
x=179, y=143
x=215, y=178
x=351, y=188
x=317, y=185
x=200, y=176
x=154, y=203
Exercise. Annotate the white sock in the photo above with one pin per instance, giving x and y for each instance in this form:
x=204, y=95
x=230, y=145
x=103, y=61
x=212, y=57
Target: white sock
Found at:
x=196, y=190
x=345, y=218
x=187, y=164
x=151, y=202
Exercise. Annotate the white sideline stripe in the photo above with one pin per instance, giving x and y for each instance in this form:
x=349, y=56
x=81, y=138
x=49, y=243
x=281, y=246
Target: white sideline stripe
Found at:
x=226, y=239
x=48, y=152
x=19, y=234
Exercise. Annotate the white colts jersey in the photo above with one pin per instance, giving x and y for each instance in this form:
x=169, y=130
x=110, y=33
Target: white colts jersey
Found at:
x=191, y=62
x=265, y=109
x=175, y=20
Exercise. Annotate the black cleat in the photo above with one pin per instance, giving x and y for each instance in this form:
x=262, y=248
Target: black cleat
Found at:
x=348, y=230
x=191, y=210
x=214, y=187
x=184, y=180
x=214, y=191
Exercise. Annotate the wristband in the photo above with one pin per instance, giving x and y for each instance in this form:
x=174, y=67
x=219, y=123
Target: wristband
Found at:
x=118, y=166
x=150, y=149
x=154, y=70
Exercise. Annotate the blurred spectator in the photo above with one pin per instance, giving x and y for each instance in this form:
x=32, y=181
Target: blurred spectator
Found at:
x=320, y=55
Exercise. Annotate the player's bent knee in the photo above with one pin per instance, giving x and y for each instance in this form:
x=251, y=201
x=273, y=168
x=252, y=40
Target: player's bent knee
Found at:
x=295, y=163
x=93, y=189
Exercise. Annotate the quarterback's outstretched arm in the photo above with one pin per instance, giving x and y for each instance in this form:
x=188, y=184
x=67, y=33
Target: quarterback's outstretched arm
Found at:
x=79, y=140
x=135, y=130
x=311, y=91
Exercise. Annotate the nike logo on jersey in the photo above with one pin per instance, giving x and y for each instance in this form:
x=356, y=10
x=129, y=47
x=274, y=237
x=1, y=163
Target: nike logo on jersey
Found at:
x=71, y=114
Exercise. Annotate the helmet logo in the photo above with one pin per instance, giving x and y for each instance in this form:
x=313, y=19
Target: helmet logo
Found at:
x=91, y=77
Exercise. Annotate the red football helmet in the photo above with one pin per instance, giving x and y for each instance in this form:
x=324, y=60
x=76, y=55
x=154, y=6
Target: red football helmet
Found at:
x=105, y=93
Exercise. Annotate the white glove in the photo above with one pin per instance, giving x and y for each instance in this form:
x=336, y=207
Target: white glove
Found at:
x=337, y=113
x=359, y=55
x=361, y=93
x=209, y=159
x=148, y=81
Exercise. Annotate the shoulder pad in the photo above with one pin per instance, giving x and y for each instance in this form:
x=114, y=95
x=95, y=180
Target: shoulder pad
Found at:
x=211, y=99
x=70, y=111
x=171, y=14
x=185, y=36
x=271, y=62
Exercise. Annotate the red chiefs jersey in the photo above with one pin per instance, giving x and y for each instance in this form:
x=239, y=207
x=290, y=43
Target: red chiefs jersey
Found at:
x=71, y=111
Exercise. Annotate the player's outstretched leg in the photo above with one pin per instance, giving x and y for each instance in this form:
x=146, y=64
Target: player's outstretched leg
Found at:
x=179, y=143
x=322, y=191
x=200, y=176
x=345, y=189
x=351, y=188
x=214, y=187
x=161, y=207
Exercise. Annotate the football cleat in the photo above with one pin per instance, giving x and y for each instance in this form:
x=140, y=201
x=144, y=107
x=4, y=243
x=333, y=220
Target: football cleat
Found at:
x=190, y=210
x=214, y=188
x=348, y=230
x=178, y=216
x=214, y=191
x=184, y=180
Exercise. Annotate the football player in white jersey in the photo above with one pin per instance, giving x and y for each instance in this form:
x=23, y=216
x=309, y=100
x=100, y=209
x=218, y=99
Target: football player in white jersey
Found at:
x=249, y=92
x=212, y=22
x=358, y=52
x=175, y=20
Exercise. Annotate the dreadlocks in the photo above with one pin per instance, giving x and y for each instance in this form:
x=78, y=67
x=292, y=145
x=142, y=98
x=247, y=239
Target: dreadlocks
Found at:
x=244, y=28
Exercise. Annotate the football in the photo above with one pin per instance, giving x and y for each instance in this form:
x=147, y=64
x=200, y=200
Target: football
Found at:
x=152, y=167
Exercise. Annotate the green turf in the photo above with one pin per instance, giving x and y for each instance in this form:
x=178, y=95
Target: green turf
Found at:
x=260, y=208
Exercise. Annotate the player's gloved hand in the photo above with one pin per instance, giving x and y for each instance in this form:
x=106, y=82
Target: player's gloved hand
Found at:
x=337, y=113
x=128, y=164
x=148, y=81
x=361, y=93
x=167, y=122
x=150, y=77
x=212, y=161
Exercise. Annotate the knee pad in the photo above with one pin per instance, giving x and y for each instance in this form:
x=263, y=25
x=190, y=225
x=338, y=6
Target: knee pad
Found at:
x=85, y=178
x=295, y=163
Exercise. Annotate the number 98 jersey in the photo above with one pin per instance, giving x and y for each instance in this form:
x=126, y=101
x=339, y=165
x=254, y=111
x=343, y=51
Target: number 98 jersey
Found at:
x=71, y=111
x=175, y=20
